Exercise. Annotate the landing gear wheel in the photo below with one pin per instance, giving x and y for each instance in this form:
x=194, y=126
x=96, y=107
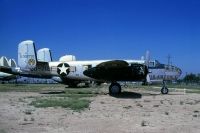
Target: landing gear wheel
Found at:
x=87, y=84
x=72, y=85
x=114, y=89
x=164, y=90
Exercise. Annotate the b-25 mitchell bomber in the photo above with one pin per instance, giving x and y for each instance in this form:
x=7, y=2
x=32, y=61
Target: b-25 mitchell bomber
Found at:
x=111, y=71
x=7, y=63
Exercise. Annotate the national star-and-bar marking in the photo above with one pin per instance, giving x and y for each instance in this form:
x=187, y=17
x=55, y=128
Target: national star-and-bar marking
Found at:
x=64, y=69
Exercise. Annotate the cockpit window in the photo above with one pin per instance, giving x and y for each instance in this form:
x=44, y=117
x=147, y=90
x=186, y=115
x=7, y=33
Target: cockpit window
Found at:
x=155, y=64
x=151, y=64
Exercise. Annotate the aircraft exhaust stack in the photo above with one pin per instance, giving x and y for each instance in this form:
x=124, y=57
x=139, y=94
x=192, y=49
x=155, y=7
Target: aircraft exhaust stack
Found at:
x=27, y=58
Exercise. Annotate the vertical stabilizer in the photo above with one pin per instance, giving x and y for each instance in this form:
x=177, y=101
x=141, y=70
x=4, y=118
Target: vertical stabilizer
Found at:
x=4, y=61
x=27, y=58
x=44, y=55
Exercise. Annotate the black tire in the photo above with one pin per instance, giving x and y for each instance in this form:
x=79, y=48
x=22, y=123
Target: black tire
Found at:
x=114, y=89
x=72, y=85
x=164, y=90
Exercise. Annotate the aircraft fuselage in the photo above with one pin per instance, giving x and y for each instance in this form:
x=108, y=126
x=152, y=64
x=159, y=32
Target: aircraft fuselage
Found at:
x=89, y=70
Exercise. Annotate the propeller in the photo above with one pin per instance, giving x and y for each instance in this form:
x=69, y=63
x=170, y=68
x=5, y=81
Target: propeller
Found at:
x=147, y=60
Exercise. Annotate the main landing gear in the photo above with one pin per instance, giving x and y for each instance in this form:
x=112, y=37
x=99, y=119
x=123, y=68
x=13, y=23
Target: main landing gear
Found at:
x=115, y=88
x=164, y=89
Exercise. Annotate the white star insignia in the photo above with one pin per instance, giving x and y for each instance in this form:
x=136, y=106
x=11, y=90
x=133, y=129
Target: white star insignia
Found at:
x=63, y=69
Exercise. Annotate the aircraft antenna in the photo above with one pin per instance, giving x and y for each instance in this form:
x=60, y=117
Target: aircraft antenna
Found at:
x=147, y=58
x=169, y=60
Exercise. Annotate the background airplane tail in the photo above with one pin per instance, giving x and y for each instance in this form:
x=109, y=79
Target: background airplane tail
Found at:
x=7, y=66
x=4, y=62
x=27, y=58
x=12, y=63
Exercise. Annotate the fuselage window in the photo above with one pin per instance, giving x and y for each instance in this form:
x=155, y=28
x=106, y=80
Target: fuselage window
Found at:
x=86, y=67
x=72, y=68
x=53, y=68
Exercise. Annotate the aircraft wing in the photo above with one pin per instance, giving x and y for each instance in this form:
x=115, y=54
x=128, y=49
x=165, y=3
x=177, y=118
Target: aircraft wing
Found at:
x=117, y=70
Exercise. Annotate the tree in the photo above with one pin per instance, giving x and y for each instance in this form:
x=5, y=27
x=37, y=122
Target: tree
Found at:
x=192, y=78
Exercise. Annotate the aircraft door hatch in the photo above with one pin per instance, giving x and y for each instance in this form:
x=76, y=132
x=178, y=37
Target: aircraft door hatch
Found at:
x=86, y=67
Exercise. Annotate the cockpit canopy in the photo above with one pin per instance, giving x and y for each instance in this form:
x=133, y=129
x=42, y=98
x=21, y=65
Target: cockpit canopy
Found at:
x=156, y=64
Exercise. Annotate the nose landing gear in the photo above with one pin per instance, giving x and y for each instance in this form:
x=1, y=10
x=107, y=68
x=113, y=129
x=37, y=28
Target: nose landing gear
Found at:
x=164, y=89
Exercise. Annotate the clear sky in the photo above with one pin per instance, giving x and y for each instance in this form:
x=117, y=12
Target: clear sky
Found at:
x=105, y=29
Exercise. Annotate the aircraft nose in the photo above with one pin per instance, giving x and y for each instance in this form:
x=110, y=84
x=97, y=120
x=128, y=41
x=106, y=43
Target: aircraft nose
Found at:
x=179, y=70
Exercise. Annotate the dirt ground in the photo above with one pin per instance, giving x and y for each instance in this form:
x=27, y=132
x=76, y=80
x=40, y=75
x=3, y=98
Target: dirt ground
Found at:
x=141, y=112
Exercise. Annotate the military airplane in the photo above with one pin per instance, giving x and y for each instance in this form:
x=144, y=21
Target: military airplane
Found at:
x=111, y=71
x=7, y=63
